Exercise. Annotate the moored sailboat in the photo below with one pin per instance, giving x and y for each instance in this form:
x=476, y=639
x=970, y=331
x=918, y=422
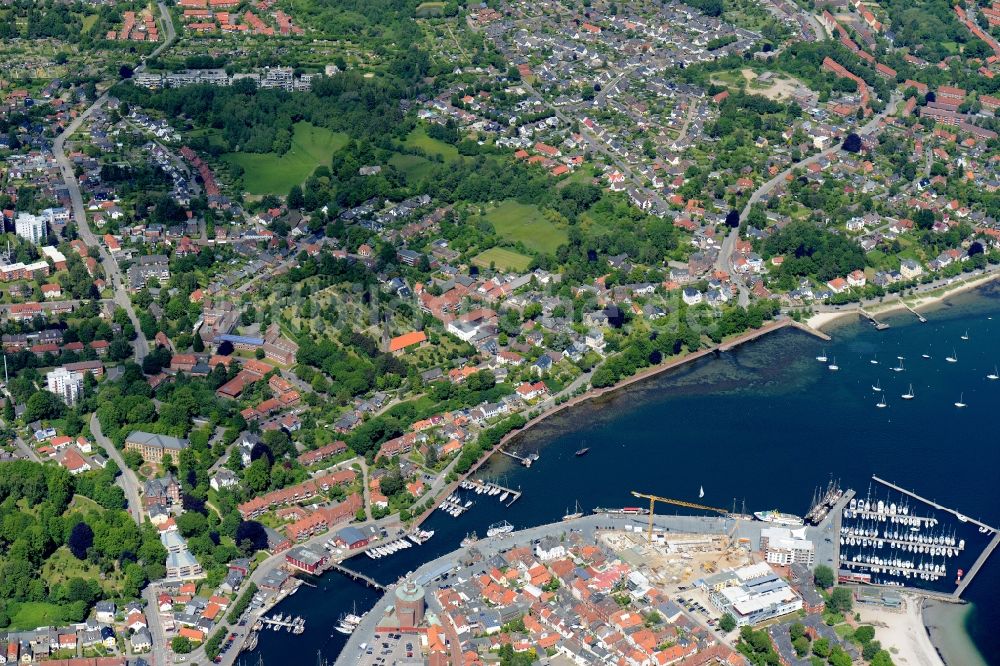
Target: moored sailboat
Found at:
x=909, y=394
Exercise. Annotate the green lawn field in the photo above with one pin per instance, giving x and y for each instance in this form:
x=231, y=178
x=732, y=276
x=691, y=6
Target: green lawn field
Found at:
x=413, y=166
x=503, y=259
x=268, y=173
x=418, y=139
x=525, y=223
x=33, y=614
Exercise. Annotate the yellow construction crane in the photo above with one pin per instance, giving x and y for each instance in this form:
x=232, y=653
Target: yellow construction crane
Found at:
x=653, y=499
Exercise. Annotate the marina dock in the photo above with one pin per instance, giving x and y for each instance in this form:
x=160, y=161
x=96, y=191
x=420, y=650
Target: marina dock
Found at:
x=481, y=487
x=295, y=625
x=981, y=560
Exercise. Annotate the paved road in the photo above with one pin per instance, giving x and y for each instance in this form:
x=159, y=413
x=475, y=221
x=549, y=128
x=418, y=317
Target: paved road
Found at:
x=27, y=451
x=723, y=262
x=158, y=655
x=50, y=305
x=128, y=480
x=80, y=213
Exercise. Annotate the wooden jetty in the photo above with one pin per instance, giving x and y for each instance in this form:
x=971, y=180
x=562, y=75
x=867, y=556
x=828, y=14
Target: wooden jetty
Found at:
x=354, y=575
x=524, y=460
x=922, y=319
x=879, y=325
x=513, y=494
x=981, y=560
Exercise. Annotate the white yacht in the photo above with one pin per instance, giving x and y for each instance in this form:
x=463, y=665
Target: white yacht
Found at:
x=961, y=401
x=834, y=366
x=909, y=394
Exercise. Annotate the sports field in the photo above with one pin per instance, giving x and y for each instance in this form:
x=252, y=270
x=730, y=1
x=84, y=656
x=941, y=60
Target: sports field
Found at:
x=503, y=259
x=269, y=173
x=525, y=223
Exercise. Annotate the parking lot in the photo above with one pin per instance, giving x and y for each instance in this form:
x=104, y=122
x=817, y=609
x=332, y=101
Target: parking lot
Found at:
x=387, y=649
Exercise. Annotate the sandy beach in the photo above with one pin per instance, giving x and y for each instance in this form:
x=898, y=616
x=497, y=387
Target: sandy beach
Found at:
x=902, y=633
x=917, y=302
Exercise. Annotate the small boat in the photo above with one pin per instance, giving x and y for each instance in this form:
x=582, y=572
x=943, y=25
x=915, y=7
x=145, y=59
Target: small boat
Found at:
x=834, y=366
x=877, y=387
x=966, y=335
x=925, y=355
x=953, y=358
x=583, y=451
x=469, y=540
x=994, y=374
x=701, y=491
x=573, y=516
x=874, y=361
x=881, y=403
x=899, y=368
x=909, y=394
x=822, y=357
x=961, y=401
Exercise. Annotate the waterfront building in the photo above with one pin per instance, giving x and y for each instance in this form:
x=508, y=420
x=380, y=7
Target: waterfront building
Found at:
x=781, y=545
x=305, y=559
x=409, y=604
x=755, y=594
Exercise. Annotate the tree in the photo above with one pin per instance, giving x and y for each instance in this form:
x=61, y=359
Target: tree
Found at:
x=258, y=474
x=181, y=644
x=852, y=143
x=727, y=622
x=839, y=658
x=870, y=649
x=864, y=633
x=43, y=405
x=821, y=647
x=733, y=219
x=823, y=575
x=840, y=600
x=882, y=658
x=801, y=645
x=251, y=536
x=81, y=538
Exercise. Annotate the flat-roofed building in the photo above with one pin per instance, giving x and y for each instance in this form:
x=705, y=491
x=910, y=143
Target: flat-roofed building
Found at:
x=152, y=447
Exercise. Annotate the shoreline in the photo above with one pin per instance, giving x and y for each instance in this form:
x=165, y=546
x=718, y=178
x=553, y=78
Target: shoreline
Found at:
x=821, y=319
x=945, y=627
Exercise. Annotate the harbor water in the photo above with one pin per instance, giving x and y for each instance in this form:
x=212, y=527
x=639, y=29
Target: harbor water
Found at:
x=763, y=424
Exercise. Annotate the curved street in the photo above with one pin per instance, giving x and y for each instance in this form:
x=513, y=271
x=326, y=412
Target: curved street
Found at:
x=114, y=275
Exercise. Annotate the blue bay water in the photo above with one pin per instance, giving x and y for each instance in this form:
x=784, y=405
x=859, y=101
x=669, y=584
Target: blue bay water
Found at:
x=764, y=424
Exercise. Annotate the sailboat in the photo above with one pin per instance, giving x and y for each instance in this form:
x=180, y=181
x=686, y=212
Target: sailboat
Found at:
x=961, y=401
x=834, y=366
x=953, y=358
x=881, y=403
x=877, y=387
x=874, y=360
x=573, y=516
x=966, y=336
x=701, y=491
x=993, y=375
x=899, y=367
x=909, y=394
x=822, y=358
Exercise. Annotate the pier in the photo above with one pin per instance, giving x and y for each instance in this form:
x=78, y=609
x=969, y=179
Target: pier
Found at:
x=886, y=567
x=879, y=325
x=354, y=575
x=524, y=460
x=981, y=560
x=836, y=516
x=922, y=319
x=296, y=625
x=487, y=485
x=900, y=518
x=961, y=517
x=898, y=543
